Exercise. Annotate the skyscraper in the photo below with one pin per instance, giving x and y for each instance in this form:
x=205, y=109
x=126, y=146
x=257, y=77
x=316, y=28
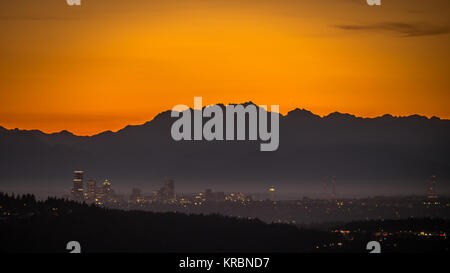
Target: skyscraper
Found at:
x=167, y=191
x=136, y=195
x=431, y=188
x=106, y=189
x=91, y=193
x=77, y=189
x=104, y=192
x=169, y=184
x=211, y=196
x=272, y=191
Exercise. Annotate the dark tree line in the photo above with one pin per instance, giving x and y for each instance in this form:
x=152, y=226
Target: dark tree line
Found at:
x=29, y=225
x=47, y=226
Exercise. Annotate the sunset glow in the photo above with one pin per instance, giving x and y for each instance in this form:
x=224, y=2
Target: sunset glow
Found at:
x=108, y=64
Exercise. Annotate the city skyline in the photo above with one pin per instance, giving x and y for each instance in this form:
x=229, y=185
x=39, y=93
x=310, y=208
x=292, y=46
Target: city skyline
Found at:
x=329, y=207
x=87, y=190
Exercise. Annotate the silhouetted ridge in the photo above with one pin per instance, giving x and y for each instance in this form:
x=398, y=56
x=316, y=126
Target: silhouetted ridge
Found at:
x=64, y=133
x=245, y=103
x=341, y=116
x=417, y=117
x=302, y=113
x=163, y=116
x=105, y=133
x=399, y=152
x=387, y=117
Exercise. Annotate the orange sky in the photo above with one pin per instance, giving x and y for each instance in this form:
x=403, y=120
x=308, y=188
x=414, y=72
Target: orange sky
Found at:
x=110, y=63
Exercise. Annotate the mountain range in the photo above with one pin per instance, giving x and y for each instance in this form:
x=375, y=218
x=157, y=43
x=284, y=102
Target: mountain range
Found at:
x=367, y=156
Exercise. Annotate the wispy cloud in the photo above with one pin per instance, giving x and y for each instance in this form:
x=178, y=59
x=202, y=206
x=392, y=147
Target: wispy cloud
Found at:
x=401, y=29
x=37, y=18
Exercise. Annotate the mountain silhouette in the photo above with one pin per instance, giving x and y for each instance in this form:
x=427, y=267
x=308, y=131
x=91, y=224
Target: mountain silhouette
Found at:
x=385, y=154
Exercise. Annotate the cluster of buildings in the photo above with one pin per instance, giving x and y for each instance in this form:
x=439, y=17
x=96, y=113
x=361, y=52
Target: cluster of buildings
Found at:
x=92, y=193
x=166, y=194
x=103, y=194
x=208, y=196
x=264, y=206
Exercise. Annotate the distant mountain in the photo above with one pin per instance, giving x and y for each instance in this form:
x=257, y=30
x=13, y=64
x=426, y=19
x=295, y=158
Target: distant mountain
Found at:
x=366, y=155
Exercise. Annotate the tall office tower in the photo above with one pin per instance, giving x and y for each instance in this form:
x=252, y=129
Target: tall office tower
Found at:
x=272, y=191
x=431, y=188
x=136, y=195
x=209, y=195
x=167, y=191
x=333, y=187
x=91, y=193
x=107, y=189
x=77, y=189
x=169, y=186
